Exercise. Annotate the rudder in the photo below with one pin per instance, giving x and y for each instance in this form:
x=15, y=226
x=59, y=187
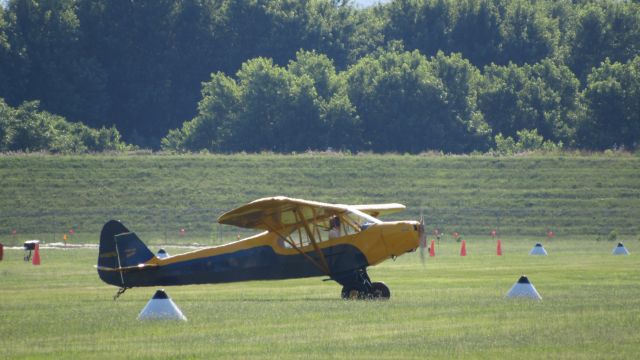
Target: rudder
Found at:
x=119, y=248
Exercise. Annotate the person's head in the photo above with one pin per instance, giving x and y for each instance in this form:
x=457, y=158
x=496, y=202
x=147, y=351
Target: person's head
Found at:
x=334, y=221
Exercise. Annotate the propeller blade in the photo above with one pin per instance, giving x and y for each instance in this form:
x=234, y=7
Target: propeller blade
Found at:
x=423, y=237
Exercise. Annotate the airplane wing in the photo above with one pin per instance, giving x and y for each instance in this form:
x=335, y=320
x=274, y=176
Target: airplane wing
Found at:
x=377, y=210
x=279, y=213
x=275, y=213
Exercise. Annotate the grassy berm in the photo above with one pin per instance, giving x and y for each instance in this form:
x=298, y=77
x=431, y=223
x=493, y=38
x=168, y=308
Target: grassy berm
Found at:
x=582, y=197
x=451, y=308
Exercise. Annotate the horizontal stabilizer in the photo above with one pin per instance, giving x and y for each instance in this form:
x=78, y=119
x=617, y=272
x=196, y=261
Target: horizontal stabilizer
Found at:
x=139, y=267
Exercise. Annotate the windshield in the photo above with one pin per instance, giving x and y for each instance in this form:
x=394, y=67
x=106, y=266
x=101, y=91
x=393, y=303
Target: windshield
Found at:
x=360, y=220
x=350, y=222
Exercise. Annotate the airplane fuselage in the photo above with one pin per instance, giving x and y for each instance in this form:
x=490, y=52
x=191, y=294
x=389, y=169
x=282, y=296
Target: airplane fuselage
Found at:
x=262, y=257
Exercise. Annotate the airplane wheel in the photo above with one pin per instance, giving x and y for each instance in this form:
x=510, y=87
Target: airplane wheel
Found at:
x=350, y=294
x=381, y=291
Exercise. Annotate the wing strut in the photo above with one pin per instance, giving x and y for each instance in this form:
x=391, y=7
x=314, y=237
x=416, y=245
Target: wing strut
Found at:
x=312, y=239
x=293, y=245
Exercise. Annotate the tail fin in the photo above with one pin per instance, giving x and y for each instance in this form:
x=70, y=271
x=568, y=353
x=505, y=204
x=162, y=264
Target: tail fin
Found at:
x=119, y=249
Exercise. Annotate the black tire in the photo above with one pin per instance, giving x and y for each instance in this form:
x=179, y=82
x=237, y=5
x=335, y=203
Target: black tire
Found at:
x=349, y=293
x=381, y=291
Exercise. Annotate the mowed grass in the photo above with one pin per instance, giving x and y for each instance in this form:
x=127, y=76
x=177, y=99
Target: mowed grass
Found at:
x=452, y=307
x=43, y=196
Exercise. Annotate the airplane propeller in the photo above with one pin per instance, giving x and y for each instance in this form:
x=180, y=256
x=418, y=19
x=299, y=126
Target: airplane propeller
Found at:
x=423, y=237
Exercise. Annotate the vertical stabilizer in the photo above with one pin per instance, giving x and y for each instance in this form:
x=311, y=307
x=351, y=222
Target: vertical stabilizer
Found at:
x=119, y=248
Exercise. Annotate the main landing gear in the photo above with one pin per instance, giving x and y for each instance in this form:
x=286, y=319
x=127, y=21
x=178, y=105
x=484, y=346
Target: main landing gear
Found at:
x=358, y=286
x=380, y=291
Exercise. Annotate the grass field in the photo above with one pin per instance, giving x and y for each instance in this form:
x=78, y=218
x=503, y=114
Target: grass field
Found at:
x=452, y=307
x=45, y=196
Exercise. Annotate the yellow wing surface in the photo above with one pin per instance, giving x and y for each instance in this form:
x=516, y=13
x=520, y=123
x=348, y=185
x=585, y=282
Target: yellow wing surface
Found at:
x=276, y=213
x=377, y=210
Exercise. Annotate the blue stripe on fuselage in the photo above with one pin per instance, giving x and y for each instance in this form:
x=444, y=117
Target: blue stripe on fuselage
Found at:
x=258, y=263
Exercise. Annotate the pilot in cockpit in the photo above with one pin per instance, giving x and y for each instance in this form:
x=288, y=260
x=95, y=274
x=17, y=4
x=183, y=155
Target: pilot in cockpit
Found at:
x=334, y=227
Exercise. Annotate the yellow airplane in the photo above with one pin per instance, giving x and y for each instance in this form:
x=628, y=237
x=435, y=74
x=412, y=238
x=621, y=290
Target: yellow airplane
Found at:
x=300, y=239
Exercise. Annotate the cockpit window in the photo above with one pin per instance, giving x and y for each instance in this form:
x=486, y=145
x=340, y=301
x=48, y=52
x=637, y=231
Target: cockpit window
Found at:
x=358, y=220
x=337, y=225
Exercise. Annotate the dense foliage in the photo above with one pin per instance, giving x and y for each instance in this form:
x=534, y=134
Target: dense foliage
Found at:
x=291, y=75
x=27, y=128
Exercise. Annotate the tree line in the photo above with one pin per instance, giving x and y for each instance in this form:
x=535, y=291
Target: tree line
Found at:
x=28, y=128
x=294, y=75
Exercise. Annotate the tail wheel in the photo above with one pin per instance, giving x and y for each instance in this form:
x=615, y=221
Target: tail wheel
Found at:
x=381, y=291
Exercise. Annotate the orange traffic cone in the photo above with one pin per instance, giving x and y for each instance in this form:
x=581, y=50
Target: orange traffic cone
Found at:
x=463, y=248
x=36, y=255
x=499, y=248
x=432, y=249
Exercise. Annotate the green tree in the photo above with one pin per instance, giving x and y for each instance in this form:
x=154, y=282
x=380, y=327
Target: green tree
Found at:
x=212, y=129
x=528, y=34
x=265, y=99
x=465, y=123
x=297, y=108
x=10, y=87
x=544, y=96
x=339, y=124
x=45, y=59
x=366, y=36
x=528, y=141
x=151, y=56
x=402, y=100
x=27, y=128
x=607, y=29
x=278, y=29
x=332, y=29
x=485, y=31
x=134, y=44
x=613, y=106
x=476, y=31
x=421, y=25
x=6, y=122
x=344, y=126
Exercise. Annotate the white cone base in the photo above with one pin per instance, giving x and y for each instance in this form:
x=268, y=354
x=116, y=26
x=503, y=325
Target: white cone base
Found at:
x=620, y=250
x=538, y=250
x=161, y=309
x=520, y=290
